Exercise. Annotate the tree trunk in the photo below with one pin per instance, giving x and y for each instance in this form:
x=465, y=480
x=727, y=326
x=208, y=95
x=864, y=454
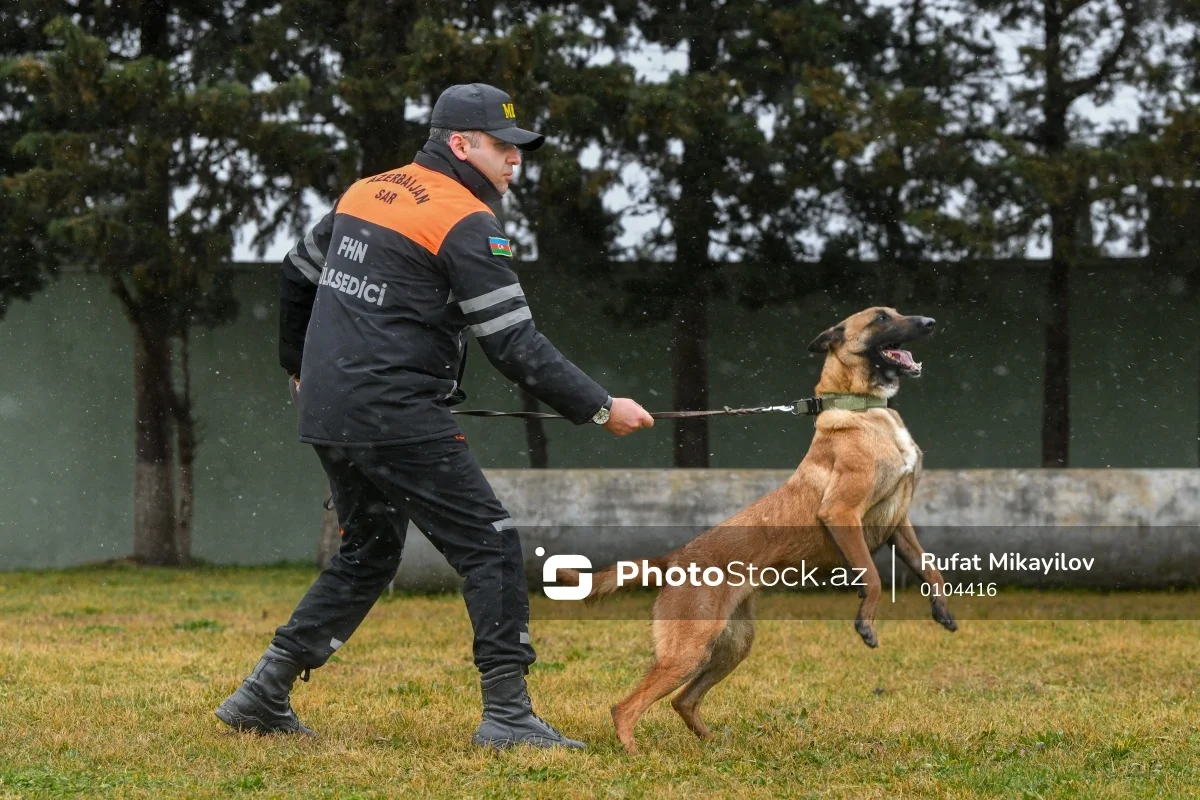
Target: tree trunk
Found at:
x=1064, y=205
x=693, y=221
x=186, y=439
x=535, y=433
x=154, y=531
x=689, y=362
x=153, y=483
x=1056, y=388
x=380, y=154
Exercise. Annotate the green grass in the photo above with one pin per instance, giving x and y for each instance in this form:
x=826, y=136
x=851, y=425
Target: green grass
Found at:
x=108, y=678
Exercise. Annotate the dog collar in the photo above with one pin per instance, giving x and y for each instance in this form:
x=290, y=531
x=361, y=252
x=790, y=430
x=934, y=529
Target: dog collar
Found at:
x=842, y=402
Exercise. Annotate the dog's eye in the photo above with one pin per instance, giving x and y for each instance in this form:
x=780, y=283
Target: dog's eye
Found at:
x=882, y=316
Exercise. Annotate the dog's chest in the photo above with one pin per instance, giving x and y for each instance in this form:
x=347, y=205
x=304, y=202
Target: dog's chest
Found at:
x=896, y=477
x=910, y=454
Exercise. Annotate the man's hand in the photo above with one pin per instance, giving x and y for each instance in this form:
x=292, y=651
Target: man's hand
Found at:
x=626, y=416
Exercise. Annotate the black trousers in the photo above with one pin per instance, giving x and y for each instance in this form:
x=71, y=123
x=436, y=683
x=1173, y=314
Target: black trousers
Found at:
x=441, y=488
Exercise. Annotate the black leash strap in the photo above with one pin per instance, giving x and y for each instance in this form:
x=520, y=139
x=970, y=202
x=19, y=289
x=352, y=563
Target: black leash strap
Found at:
x=809, y=407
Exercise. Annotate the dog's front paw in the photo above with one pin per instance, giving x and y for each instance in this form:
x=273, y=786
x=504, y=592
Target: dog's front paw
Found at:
x=867, y=632
x=943, y=615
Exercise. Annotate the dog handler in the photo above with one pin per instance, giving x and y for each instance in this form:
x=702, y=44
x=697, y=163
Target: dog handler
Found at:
x=375, y=303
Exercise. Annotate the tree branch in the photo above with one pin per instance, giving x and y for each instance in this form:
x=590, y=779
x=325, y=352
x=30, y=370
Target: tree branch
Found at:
x=132, y=309
x=1071, y=6
x=1131, y=15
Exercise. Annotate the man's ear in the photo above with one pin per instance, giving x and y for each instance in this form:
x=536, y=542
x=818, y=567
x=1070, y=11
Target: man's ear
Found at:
x=828, y=340
x=460, y=145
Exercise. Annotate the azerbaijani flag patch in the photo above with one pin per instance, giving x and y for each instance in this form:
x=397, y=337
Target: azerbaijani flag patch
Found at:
x=500, y=246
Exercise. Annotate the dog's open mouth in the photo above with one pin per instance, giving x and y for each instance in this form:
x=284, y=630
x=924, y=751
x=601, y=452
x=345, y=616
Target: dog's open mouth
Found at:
x=902, y=359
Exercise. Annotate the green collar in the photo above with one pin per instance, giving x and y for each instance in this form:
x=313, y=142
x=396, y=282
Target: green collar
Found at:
x=852, y=402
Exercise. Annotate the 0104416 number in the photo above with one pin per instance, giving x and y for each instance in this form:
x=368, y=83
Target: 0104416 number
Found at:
x=951, y=589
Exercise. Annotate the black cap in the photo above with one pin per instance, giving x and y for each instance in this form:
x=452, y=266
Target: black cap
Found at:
x=479, y=107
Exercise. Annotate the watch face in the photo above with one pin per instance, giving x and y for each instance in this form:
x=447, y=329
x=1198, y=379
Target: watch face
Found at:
x=601, y=416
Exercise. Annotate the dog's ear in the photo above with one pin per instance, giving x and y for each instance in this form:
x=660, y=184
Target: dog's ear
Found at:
x=828, y=340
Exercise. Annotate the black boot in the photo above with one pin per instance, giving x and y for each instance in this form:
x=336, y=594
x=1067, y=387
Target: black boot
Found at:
x=261, y=703
x=508, y=716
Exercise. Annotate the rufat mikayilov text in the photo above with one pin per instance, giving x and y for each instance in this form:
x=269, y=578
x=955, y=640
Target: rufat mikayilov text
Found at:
x=1008, y=562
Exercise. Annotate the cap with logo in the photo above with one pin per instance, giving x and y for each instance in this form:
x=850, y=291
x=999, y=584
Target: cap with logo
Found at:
x=479, y=107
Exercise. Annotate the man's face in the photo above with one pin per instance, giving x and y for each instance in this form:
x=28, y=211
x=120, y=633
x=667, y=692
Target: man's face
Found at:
x=492, y=157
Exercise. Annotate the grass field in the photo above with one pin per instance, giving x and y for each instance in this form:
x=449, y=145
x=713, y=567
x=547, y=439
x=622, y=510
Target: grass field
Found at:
x=108, y=678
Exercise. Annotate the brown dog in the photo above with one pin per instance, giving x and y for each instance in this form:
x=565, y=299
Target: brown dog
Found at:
x=847, y=498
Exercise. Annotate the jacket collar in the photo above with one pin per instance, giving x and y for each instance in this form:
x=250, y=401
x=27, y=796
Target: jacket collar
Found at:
x=437, y=157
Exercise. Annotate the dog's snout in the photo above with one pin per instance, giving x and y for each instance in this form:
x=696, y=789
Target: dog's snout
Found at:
x=926, y=324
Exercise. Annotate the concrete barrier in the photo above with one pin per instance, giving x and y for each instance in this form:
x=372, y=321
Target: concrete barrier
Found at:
x=1141, y=528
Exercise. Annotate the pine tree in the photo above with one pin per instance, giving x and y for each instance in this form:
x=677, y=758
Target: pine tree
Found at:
x=719, y=179
x=1079, y=50
x=110, y=111
x=888, y=138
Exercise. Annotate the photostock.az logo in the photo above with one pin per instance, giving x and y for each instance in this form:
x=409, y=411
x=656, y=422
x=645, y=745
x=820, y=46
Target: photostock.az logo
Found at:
x=567, y=561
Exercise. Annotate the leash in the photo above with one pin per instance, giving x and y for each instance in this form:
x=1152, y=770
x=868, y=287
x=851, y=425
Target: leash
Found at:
x=808, y=407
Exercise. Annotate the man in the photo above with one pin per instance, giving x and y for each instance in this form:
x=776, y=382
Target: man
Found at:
x=375, y=303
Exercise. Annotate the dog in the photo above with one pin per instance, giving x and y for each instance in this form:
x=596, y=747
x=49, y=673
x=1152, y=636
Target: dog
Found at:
x=849, y=496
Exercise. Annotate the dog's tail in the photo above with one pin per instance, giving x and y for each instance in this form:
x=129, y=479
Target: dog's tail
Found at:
x=604, y=582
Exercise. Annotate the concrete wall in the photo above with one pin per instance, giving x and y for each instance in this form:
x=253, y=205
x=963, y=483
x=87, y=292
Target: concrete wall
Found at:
x=66, y=399
x=1141, y=527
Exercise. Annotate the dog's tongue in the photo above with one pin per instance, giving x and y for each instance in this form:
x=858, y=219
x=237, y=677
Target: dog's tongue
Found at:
x=901, y=357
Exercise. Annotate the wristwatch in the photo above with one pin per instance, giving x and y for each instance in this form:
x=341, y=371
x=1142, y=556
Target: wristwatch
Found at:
x=601, y=416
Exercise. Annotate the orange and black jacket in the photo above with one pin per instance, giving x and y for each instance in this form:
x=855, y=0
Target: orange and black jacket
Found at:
x=377, y=299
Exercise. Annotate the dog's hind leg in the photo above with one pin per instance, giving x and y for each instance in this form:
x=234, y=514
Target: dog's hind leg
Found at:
x=731, y=647
x=682, y=648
